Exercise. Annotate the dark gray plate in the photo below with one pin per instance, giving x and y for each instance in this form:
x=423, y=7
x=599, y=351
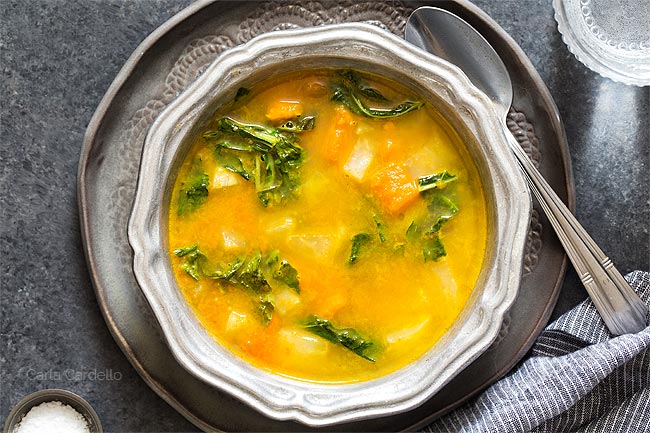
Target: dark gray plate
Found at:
x=171, y=58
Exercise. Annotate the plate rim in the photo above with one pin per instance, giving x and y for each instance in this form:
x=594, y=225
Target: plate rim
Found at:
x=89, y=138
x=121, y=78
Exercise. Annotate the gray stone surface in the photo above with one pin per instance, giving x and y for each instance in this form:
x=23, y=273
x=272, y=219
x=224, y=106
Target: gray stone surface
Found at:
x=57, y=60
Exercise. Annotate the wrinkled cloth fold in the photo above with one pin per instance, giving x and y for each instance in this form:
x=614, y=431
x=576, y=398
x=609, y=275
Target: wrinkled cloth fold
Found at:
x=576, y=378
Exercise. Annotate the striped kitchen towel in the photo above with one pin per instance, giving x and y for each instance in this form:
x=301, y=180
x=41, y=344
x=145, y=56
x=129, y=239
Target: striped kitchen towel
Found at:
x=578, y=378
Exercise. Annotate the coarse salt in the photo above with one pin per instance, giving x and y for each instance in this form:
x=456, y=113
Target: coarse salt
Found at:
x=52, y=417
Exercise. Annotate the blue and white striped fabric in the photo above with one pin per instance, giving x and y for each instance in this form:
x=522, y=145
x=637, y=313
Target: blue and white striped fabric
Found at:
x=578, y=378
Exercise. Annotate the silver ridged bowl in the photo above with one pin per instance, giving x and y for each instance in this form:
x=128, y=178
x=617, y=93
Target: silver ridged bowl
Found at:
x=362, y=47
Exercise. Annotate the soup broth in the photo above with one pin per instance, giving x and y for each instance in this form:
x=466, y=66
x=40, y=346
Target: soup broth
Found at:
x=327, y=225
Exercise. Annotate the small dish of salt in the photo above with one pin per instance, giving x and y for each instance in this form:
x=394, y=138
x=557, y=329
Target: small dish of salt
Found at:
x=52, y=411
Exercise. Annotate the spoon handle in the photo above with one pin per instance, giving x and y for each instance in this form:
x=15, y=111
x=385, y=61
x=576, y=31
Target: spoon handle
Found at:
x=620, y=307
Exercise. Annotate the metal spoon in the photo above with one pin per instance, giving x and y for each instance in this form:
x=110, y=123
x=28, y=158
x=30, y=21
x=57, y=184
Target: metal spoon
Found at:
x=444, y=34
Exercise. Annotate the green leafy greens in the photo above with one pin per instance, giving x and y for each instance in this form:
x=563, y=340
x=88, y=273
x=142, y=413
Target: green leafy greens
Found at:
x=351, y=100
x=440, y=210
x=246, y=273
x=351, y=90
x=349, y=338
x=194, y=191
x=268, y=156
x=192, y=261
x=195, y=264
x=358, y=241
x=266, y=307
x=282, y=271
x=250, y=276
x=288, y=275
x=436, y=180
x=430, y=242
x=433, y=248
x=353, y=81
x=381, y=228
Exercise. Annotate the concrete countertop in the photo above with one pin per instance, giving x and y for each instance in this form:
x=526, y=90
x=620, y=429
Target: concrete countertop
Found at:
x=58, y=59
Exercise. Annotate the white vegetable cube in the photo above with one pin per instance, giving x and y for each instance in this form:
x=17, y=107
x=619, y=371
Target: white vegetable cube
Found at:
x=301, y=342
x=231, y=240
x=285, y=301
x=236, y=321
x=279, y=224
x=316, y=245
x=406, y=333
x=223, y=178
x=424, y=161
x=362, y=129
x=359, y=160
x=447, y=279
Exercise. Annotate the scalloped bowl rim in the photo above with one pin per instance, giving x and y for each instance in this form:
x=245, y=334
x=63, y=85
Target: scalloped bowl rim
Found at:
x=313, y=403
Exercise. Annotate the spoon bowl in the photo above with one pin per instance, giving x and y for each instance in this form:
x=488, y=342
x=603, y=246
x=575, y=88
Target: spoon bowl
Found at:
x=440, y=32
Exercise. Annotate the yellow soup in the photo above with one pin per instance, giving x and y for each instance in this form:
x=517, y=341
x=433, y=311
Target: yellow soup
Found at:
x=327, y=225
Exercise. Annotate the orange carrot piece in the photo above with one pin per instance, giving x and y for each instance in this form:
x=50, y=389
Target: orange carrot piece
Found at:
x=283, y=110
x=260, y=344
x=394, y=188
x=331, y=303
x=338, y=141
x=387, y=149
